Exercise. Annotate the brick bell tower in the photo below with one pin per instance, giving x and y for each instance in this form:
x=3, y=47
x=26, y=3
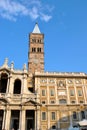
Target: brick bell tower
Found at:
x=36, y=51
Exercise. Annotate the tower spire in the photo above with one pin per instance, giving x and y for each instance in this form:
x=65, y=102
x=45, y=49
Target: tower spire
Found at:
x=36, y=29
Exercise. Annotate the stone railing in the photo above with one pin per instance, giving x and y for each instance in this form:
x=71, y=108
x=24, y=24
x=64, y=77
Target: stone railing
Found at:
x=60, y=74
x=24, y=96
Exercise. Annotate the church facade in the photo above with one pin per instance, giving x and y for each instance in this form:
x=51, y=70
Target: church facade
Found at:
x=32, y=99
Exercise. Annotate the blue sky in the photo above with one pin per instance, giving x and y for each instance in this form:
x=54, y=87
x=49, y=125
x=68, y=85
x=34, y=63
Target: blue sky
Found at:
x=64, y=24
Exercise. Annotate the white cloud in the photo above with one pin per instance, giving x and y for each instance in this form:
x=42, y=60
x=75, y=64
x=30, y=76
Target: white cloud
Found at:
x=45, y=17
x=34, y=13
x=11, y=9
x=7, y=16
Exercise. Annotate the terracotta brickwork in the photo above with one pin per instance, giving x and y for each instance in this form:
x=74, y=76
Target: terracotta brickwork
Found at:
x=36, y=53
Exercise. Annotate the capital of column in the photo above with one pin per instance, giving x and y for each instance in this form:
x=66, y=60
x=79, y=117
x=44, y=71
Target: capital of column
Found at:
x=23, y=108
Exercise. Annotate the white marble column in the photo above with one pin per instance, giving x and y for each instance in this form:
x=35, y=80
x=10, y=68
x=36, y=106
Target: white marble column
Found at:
x=7, y=90
x=67, y=89
x=75, y=88
x=11, y=84
x=56, y=92
x=84, y=91
x=4, y=117
x=7, y=119
x=22, y=120
x=38, y=118
x=24, y=84
x=48, y=120
x=48, y=91
x=58, y=119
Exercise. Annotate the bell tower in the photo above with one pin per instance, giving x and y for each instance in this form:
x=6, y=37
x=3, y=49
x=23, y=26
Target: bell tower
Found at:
x=36, y=51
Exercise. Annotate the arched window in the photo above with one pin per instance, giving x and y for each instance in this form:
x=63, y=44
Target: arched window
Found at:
x=3, y=82
x=53, y=127
x=62, y=101
x=17, y=86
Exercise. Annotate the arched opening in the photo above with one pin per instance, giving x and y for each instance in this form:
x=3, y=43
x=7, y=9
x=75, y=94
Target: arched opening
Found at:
x=17, y=86
x=3, y=82
x=53, y=127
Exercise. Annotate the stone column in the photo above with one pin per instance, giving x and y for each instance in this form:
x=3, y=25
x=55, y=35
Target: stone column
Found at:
x=84, y=91
x=68, y=97
x=38, y=118
x=4, y=117
x=48, y=119
x=7, y=90
x=11, y=84
x=76, y=92
x=22, y=120
x=47, y=91
x=58, y=119
x=7, y=120
x=56, y=93
x=24, y=84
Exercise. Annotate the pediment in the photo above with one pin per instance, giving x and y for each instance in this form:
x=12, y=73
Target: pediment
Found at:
x=3, y=101
x=31, y=103
x=4, y=70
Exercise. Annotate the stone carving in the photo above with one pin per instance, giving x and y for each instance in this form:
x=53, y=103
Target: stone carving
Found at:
x=61, y=85
x=51, y=81
x=78, y=81
x=70, y=81
x=43, y=80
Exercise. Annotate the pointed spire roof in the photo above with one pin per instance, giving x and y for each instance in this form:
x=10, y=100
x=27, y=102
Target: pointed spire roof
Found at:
x=36, y=29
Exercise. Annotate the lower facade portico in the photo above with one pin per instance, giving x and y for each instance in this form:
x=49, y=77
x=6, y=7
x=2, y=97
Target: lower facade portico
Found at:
x=18, y=119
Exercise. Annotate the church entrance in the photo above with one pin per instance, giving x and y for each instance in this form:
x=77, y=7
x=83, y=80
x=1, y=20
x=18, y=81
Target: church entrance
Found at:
x=15, y=119
x=1, y=118
x=30, y=119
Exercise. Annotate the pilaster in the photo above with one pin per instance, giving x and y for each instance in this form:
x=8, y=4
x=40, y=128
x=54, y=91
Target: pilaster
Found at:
x=67, y=89
x=58, y=120
x=22, y=119
x=4, y=117
x=10, y=84
x=48, y=120
x=75, y=93
x=38, y=118
x=7, y=119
